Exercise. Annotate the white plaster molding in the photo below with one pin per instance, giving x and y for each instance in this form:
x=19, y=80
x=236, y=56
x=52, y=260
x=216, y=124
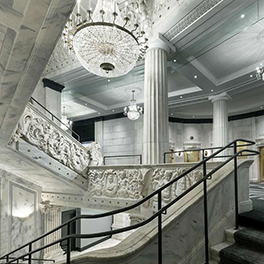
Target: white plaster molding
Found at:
x=197, y=13
x=158, y=43
x=220, y=97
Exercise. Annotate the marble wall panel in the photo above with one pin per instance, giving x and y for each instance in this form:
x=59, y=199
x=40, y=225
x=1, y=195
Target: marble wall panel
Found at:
x=20, y=219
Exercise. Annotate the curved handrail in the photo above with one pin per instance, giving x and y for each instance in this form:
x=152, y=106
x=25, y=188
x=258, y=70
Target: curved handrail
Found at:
x=148, y=197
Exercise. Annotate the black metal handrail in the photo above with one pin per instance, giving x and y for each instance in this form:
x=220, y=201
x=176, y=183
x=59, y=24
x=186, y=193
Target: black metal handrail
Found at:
x=158, y=214
x=56, y=118
x=123, y=156
x=201, y=150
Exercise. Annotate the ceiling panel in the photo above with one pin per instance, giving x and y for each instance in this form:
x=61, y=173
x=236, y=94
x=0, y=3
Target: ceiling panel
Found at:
x=239, y=52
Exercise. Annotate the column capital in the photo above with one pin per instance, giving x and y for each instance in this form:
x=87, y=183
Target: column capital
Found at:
x=46, y=207
x=157, y=43
x=220, y=97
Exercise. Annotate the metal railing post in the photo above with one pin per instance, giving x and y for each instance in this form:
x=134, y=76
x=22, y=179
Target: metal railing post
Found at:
x=159, y=230
x=68, y=244
x=236, y=188
x=206, y=239
x=140, y=159
x=29, y=250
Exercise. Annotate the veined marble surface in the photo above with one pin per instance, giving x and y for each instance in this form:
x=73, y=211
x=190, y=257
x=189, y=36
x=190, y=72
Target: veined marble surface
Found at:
x=20, y=220
x=29, y=32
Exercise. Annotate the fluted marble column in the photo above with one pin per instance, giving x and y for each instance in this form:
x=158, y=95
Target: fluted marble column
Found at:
x=155, y=139
x=220, y=119
x=52, y=219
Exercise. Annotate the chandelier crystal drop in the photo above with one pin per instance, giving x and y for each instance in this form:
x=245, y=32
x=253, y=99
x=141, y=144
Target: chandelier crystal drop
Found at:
x=105, y=42
x=260, y=72
x=66, y=123
x=133, y=111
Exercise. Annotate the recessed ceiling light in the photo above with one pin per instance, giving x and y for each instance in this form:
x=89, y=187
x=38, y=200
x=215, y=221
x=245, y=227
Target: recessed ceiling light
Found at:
x=251, y=76
x=113, y=110
x=174, y=60
x=242, y=16
x=69, y=91
x=171, y=113
x=195, y=76
x=212, y=90
x=180, y=96
x=85, y=103
x=99, y=113
x=193, y=116
x=108, y=80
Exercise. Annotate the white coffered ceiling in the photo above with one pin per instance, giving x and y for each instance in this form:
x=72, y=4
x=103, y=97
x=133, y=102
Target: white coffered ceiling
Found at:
x=222, y=48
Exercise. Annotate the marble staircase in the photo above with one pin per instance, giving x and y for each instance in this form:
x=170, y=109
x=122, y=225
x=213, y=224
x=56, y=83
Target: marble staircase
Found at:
x=249, y=241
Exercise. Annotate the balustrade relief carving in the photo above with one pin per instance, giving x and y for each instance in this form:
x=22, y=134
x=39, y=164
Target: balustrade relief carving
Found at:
x=36, y=129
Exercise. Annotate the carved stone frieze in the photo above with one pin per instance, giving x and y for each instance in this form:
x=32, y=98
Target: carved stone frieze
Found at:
x=95, y=154
x=163, y=176
x=126, y=183
x=39, y=131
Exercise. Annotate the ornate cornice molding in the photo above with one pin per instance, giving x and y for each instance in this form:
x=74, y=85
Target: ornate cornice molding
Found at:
x=191, y=18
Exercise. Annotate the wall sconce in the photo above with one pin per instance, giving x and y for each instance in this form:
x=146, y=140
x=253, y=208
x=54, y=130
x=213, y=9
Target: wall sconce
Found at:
x=22, y=213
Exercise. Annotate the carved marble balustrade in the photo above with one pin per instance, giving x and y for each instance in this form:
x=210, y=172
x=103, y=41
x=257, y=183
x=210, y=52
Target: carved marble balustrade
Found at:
x=39, y=131
x=134, y=182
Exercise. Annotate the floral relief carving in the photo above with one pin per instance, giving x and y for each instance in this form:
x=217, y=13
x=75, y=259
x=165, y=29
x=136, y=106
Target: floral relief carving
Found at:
x=127, y=183
x=39, y=131
x=163, y=176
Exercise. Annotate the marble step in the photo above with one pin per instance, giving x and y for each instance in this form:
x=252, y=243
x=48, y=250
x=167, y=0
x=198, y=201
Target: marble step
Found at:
x=214, y=250
x=230, y=240
x=229, y=234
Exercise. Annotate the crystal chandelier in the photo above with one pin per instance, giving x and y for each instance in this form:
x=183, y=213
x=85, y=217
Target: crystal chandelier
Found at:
x=104, y=42
x=260, y=73
x=66, y=123
x=133, y=111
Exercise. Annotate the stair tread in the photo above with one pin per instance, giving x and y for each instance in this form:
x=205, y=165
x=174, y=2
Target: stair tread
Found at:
x=220, y=246
x=229, y=233
x=236, y=254
x=251, y=238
